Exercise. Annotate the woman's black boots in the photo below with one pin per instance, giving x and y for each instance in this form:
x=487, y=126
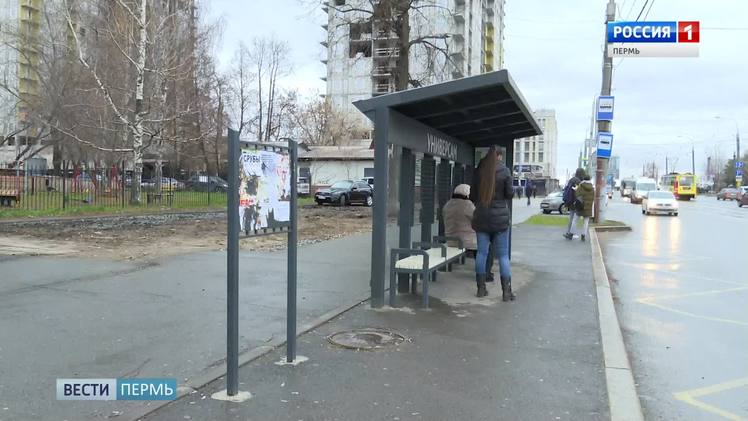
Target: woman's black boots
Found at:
x=506, y=289
x=481, y=281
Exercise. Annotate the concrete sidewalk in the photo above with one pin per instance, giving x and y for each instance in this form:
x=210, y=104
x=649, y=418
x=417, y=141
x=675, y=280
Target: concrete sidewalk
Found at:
x=64, y=318
x=465, y=359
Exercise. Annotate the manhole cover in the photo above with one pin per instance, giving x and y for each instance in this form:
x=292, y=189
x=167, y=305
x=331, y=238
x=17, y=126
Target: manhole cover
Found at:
x=366, y=339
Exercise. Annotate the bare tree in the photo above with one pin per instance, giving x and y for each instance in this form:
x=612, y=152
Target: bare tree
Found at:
x=317, y=122
x=131, y=61
x=258, y=103
x=419, y=39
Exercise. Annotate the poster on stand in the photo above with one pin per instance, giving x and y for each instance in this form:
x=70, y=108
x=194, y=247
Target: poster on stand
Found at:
x=264, y=190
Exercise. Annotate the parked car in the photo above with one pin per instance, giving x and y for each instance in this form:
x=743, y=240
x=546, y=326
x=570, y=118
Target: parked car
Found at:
x=346, y=192
x=302, y=186
x=742, y=198
x=207, y=183
x=171, y=184
x=728, y=193
x=554, y=202
x=147, y=183
x=369, y=181
x=659, y=201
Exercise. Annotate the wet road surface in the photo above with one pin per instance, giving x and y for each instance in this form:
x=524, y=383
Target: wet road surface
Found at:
x=681, y=285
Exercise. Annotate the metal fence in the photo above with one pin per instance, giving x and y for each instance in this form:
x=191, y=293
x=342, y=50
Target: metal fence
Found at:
x=75, y=187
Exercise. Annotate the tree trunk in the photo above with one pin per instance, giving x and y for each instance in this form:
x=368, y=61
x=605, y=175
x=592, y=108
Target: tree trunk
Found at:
x=138, y=130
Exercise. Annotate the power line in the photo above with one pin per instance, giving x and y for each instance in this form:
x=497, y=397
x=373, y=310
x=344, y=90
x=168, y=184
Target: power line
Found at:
x=631, y=9
x=648, y=10
x=642, y=11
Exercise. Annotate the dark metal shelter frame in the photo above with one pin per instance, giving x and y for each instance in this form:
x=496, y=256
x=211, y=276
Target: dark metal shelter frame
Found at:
x=445, y=122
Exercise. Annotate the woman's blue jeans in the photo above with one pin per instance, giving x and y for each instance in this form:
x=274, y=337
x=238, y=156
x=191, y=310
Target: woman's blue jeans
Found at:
x=500, y=242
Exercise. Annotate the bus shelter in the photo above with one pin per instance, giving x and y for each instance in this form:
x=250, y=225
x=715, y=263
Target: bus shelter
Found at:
x=442, y=126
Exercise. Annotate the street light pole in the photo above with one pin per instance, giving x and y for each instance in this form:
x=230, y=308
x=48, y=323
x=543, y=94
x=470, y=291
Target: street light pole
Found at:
x=604, y=126
x=737, y=147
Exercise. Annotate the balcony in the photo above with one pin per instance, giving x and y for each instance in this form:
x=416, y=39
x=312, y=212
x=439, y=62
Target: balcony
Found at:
x=459, y=16
x=362, y=38
x=381, y=71
x=383, y=88
x=387, y=53
x=385, y=35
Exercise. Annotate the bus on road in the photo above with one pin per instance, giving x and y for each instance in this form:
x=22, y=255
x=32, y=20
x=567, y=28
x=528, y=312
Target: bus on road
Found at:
x=683, y=186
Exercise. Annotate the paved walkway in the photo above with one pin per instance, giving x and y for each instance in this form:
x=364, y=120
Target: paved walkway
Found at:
x=538, y=358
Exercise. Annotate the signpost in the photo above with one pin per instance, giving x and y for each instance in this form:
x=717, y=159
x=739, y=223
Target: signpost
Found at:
x=605, y=107
x=261, y=201
x=604, y=144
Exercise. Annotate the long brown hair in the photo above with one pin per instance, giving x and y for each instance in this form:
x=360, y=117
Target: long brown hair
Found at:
x=487, y=177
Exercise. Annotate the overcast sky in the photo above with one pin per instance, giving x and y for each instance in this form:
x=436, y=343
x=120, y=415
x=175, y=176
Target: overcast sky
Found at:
x=554, y=53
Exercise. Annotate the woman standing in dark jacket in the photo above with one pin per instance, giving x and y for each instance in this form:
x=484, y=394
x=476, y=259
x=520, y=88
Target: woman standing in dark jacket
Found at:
x=491, y=220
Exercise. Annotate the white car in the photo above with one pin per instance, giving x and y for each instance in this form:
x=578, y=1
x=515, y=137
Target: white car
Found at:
x=659, y=201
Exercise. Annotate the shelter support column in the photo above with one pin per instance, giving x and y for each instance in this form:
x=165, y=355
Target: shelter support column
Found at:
x=428, y=170
x=444, y=190
x=458, y=175
x=406, y=190
x=379, y=219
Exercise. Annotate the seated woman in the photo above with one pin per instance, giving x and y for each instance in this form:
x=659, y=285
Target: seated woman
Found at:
x=458, y=217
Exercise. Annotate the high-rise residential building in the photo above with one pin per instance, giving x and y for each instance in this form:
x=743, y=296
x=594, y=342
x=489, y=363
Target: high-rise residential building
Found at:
x=20, y=23
x=536, y=156
x=614, y=167
x=449, y=39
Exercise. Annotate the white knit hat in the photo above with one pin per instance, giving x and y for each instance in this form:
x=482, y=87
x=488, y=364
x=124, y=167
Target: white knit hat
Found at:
x=463, y=190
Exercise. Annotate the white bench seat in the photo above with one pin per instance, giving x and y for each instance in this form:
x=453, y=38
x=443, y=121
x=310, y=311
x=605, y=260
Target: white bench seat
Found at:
x=440, y=257
x=416, y=262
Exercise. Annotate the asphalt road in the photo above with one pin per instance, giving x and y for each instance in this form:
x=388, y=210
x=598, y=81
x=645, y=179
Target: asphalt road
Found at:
x=682, y=289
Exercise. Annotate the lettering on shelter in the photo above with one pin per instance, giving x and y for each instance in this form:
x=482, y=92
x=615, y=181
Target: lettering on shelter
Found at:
x=441, y=147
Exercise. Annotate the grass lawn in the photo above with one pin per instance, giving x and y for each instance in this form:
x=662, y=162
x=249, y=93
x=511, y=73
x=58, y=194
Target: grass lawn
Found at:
x=551, y=220
x=562, y=220
x=49, y=204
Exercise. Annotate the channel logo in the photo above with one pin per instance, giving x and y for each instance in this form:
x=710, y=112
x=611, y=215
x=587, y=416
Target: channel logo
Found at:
x=116, y=389
x=654, y=39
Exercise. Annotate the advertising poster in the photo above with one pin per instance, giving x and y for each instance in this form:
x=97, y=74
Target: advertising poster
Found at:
x=264, y=190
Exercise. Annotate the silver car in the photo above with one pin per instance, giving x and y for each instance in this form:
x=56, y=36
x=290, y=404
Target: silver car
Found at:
x=554, y=202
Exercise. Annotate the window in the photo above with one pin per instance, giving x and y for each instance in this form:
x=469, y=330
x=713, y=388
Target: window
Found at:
x=540, y=156
x=527, y=146
x=527, y=156
x=540, y=146
x=368, y=172
x=339, y=2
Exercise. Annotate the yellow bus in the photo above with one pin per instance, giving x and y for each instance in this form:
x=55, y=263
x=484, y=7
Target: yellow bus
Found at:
x=683, y=186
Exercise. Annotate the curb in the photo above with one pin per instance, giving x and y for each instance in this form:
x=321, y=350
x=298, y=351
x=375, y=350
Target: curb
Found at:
x=218, y=370
x=623, y=399
x=613, y=228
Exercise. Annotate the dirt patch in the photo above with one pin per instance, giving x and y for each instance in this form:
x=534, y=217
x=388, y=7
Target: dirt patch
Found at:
x=155, y=236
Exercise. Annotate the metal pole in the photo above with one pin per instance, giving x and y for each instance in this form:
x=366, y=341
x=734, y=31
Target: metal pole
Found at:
x=292, y=255
x=232, y=280
x=693, y=160
x=604, y=126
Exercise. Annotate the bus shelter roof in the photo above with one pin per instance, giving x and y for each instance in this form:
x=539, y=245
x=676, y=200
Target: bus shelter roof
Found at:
x=482, y=110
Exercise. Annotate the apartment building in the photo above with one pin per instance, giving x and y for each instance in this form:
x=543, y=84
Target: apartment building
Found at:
x=20, y=23
x=448, y=39
x=537, y=156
